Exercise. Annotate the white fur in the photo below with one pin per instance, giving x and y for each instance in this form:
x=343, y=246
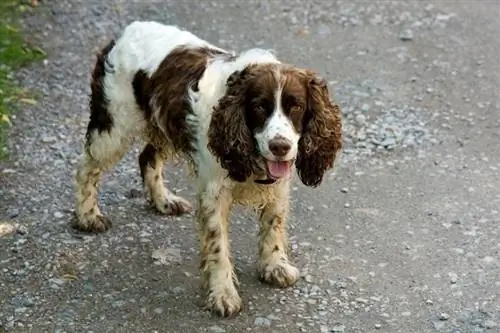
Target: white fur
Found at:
x=278, y=125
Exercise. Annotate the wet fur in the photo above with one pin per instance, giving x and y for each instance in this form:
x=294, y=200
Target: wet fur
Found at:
x=185, y=97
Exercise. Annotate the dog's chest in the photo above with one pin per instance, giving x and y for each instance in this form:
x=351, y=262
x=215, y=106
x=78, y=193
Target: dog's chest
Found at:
x=255, y=195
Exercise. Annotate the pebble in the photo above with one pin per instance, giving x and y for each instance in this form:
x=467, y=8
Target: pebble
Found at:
x=261, y=321
x=444, y=316
x=489, y=324
x=58, y=215
x=119, y=303
x=216, y=329
x=344, y=190
x=406, y=35
x=361, y=119
x=378, y=326
x=49, y=139
x=453, y=277
x=339, y=328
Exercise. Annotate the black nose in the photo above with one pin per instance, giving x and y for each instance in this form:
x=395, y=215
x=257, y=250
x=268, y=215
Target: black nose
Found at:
x=279, y=146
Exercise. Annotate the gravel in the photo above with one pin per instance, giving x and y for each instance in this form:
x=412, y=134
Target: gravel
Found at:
x=378, y=244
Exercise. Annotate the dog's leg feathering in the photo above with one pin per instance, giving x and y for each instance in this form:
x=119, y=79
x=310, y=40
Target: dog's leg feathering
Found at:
x=102, y=152
x=151, y=164
x=274, y=266
x=219, y=278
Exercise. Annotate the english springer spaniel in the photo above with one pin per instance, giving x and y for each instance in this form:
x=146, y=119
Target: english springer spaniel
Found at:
x=241, y=121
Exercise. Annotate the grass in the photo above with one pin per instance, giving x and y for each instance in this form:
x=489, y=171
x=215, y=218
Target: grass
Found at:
x=15, y=52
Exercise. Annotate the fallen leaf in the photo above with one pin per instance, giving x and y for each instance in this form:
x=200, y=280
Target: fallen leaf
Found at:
x=70, y=277
x=5, y=118
x=6, y=228
x=28, y=101
x=165, y=256
x=302, y=32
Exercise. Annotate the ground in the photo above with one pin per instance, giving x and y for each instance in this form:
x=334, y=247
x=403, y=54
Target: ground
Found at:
x=402, y=237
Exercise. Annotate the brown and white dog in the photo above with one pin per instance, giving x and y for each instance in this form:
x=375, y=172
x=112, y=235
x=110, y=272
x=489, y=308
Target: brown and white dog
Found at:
x=241, y=121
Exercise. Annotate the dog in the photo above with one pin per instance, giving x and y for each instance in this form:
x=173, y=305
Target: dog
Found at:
x=241, y=121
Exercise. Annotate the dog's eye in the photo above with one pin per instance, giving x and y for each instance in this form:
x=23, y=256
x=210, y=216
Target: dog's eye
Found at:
x=296, y=114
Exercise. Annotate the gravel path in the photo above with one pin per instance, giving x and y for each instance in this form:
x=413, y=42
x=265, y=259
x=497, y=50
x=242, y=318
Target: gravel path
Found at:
x=405, y=237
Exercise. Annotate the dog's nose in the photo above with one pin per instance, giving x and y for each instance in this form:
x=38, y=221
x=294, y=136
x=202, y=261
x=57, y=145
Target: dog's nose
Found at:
x=279, y=146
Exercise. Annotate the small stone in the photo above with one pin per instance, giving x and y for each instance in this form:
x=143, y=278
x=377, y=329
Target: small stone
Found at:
x=178, y=290
x=378, y=326
x=406, y=35
x=361, y=119
x=58, y=215
x=165, y=256
x=453, y=277
x=308, y=278
x=261, y=321
x=347, y=205
x=119, y=303
x=338, y=328
x=365, y=107
x=489, y=324
x=273, y=317
x=216, y=329
x=444, y=316
x=158, y=310
x=21, y=310
x=344, y=190
x=49, y=139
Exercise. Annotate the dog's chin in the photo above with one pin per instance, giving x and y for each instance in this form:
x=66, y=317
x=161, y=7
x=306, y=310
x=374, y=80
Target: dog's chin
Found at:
x=276, y=169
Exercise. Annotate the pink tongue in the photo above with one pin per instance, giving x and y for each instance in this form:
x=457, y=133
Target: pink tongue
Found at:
x=278, y=169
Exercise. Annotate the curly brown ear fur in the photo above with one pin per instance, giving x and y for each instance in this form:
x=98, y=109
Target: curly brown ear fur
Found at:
x=229, y=138
x=321, y=137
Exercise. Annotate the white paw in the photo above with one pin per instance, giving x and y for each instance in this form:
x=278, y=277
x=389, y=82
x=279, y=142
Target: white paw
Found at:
x=281, y=273
x=173, y=205
x=224, y=300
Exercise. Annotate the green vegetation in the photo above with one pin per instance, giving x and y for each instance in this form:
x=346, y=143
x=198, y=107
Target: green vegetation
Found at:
x=15, y=52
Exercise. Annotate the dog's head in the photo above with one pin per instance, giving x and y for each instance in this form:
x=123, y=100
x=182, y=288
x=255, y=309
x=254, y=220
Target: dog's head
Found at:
x=273, y=116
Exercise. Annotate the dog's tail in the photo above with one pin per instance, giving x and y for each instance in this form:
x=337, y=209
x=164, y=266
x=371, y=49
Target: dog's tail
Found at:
x=99, y=115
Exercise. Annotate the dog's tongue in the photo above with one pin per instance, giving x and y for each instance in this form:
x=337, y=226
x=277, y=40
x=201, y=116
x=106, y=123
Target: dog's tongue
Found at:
x=278, y=169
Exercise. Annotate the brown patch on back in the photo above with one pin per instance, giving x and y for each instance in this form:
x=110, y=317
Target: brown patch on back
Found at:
x=167, y=88
x=100, y=119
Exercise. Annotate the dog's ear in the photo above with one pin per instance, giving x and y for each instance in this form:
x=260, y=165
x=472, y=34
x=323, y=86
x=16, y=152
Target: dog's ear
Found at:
x=229, y=137
x=321, y=138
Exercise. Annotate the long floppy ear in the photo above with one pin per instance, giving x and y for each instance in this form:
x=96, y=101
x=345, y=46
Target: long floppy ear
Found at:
x=229, y=138
x=321, y=137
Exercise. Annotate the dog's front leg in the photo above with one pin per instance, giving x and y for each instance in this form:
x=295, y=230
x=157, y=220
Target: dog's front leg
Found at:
x=274, y=266
x=219, y=278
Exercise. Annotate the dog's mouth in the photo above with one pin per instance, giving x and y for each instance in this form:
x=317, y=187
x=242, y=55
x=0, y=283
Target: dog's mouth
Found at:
x=278, y=169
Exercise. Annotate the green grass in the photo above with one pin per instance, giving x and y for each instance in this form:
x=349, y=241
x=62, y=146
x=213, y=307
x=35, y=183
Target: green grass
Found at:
x=15, y=52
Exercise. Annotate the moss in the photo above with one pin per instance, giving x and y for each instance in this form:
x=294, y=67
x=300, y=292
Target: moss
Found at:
x=15, y=52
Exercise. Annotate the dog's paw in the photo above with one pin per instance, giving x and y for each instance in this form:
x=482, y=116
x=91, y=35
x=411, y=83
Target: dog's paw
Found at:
x=280, y=274
x=173, y=205
x=224, y=302
x=92, y=224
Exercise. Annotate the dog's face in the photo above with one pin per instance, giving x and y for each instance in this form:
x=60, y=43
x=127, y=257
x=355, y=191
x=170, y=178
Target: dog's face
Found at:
x=273, y=116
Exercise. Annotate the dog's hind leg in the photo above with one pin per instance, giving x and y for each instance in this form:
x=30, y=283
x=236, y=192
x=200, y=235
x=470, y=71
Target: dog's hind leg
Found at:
x=151, y=165
x=102, y=152
x=115, y=121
